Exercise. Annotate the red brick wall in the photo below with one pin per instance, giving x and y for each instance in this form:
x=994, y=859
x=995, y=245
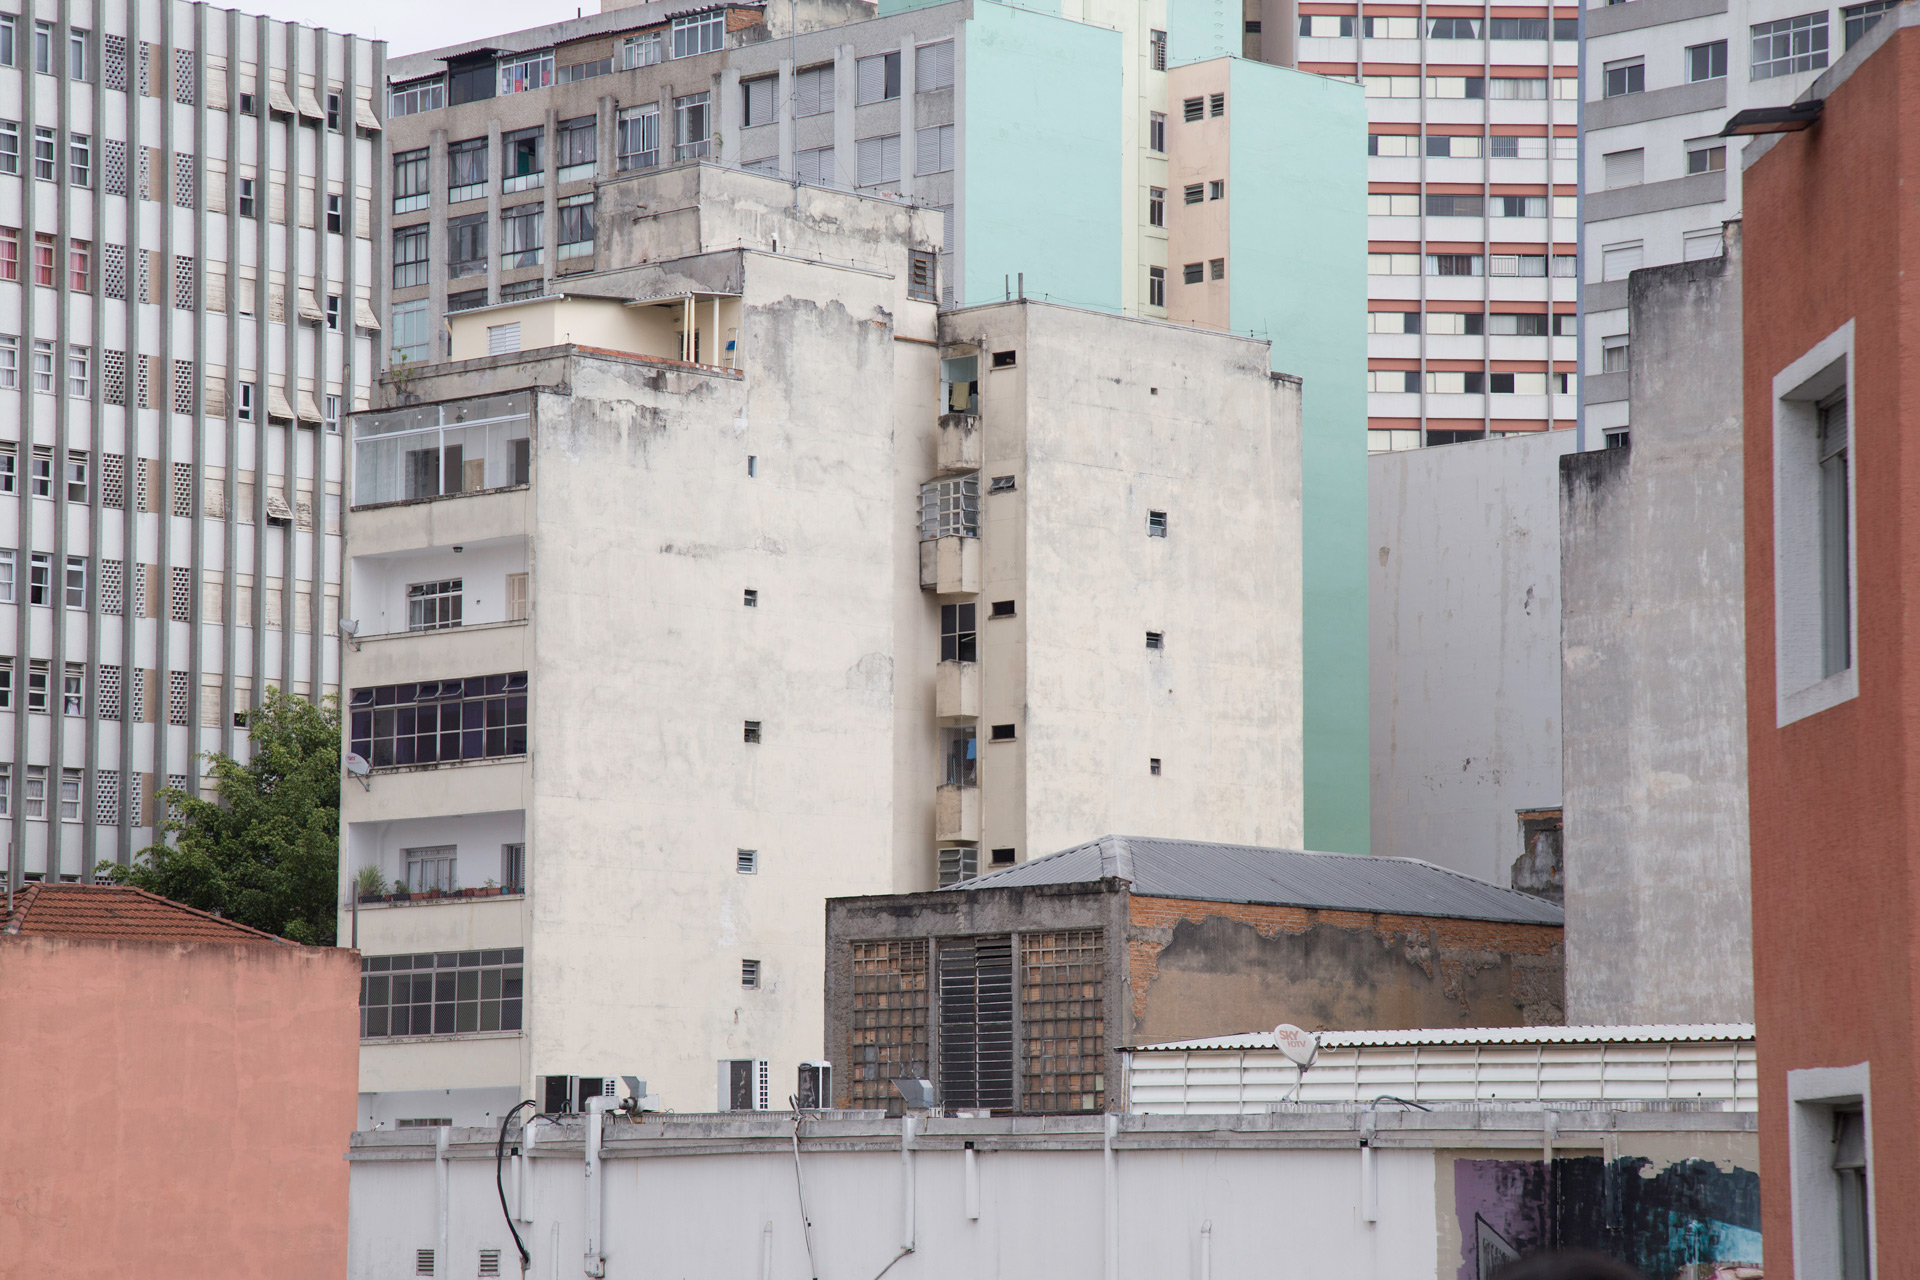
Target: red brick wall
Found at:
x=1216, y=968
x=1831, y=234
x=176, y=1110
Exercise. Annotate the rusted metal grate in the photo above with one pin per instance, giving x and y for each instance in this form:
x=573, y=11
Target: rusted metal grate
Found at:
x=1063, y=1022
x=888, y=1035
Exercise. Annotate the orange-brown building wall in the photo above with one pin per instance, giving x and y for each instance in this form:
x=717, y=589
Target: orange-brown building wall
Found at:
x=1832, y=233
x=175, y=1110
x=1213, y=968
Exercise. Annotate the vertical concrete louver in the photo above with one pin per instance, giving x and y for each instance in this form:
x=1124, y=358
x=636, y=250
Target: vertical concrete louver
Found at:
x=206, y=507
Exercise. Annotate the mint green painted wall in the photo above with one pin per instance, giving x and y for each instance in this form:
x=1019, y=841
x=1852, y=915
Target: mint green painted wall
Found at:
x=1202, y=29
x=1040, y=157
x=1297, y=266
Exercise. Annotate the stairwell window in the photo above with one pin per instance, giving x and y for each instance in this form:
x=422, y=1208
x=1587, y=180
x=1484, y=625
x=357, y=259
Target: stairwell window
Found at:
x=1158, y=43
x=1157, y=132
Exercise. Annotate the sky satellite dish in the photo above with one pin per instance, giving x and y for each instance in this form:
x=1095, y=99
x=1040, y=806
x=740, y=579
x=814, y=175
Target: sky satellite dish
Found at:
x=1299, y=1046
x=357, y=765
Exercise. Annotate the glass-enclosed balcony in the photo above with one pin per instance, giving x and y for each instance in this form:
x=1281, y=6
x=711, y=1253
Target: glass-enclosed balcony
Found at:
x=468, y=446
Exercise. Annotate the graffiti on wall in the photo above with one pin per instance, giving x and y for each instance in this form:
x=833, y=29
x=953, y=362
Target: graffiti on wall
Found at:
x=1684, y=1220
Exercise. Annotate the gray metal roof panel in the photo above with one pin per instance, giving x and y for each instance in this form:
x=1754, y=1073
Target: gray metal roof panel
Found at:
x=1203, y=870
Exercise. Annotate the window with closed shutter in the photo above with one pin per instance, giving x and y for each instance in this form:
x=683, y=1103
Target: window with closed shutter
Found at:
x=879, y=160
x=933, y=67
x=503, y=339
x=758, y=97
x=877, y=79
x=976, y=1022
x=813, y=91
x=815, y=167
x=1625, y=168
x=933, y=149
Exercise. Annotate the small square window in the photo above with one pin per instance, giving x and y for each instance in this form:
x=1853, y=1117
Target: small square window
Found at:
x=1156, y=640
x=1153, y=765
x=1217, y=105
x=1193, y=109
x=1000, y=484
x=750, y=973
x=1003, y=857
x=1217, y=189
x=1002, y=609
x=753, y=465
x=1194, y=272
x=752, y=731
x=750, y=598
x=1003, y=359
x=747, y=861
x=1156, y=524
x=1002, y=733
x=1217, y=268
x=1195, y=192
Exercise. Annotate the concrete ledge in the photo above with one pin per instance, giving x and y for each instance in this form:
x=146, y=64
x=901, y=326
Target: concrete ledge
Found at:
x=1615, y=18
x=1608, y=295
x=1655, y=197
x=1656, y=104
x=1598, y=388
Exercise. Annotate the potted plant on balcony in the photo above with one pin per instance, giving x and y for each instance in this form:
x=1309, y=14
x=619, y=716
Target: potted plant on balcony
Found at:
x=370, y=885
x=491, y=889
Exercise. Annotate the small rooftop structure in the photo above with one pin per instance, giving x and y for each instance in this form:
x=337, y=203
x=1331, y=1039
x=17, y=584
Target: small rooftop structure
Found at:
x=1208, y=872
x=113, y=912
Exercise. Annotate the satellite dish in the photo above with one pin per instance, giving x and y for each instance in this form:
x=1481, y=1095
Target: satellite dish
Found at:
x=357, y=765
x=349, y=626
x=1300, y=1047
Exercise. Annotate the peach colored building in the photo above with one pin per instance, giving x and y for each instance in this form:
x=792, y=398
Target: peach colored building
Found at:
x=179, y=1090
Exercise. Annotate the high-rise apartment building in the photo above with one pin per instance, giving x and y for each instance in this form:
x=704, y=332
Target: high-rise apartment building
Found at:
x=1472, y=208
x=187, y=303
x=987, y=113
x=737, y=575
x=1662, y=82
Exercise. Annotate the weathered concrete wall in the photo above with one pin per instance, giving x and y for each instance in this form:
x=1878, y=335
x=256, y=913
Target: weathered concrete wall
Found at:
x=179, y=1108
x=1464, y=595
x=1212, y=968
x=1653, y=688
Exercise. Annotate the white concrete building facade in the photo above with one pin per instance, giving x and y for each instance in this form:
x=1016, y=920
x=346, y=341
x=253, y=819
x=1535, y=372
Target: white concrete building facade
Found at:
x=721, y=585
x=188, y=301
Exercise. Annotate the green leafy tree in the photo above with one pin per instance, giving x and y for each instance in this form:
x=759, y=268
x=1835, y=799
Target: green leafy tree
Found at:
x=266, y=850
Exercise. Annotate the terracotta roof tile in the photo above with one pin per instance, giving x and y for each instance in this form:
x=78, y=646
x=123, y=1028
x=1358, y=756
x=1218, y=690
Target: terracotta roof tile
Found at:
x=102, y=911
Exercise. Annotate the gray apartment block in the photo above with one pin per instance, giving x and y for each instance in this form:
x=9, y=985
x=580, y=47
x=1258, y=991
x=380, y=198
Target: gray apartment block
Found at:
x=191, y=301
x=1663, y=77
x=496, y=146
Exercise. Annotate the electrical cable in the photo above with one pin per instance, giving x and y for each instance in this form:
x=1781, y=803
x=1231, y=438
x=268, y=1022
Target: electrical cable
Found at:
x=800, y=1187
x=499, y=1159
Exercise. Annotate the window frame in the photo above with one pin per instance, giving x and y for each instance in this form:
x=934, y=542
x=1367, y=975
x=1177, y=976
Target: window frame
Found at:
x=1801, y=689
x=1816, y=56
x=1696, y=52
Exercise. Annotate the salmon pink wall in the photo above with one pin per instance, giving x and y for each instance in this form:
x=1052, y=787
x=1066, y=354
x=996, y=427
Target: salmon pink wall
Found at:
x=175, y=1110
x=1830, y=216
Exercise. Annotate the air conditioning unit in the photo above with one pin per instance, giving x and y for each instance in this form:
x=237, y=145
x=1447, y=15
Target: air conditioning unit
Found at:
x=746, y=1084
x=816, y=1086
x=566, y=1095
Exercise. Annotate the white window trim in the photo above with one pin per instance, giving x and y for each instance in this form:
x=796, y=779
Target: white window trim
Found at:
x=1812, y=1095
x=1798, y=691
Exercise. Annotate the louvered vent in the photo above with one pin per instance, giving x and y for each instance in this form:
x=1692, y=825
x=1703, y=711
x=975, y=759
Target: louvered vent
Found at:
x=423, y=1262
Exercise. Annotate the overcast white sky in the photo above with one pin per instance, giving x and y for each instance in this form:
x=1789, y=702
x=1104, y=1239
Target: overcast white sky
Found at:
x=409, y=26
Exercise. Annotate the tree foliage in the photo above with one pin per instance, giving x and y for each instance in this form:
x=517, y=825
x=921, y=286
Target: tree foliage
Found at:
x=265, y=851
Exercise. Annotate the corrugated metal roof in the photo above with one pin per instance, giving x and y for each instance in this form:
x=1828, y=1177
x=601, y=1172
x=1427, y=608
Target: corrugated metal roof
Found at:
x=1210, y=872
x=1478, y=1035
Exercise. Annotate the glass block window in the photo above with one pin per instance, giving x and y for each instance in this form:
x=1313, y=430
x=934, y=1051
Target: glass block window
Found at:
x=108, y=692
x=113, y=164
x=107, y=794
x=186, y=292
x=141, y=492
x=113, y=466
x=113, y=585
x=887, y=1034
x=144, y=378
x=146, y=173
x=179, y=704
x=1062, y=1021
x=183, y=77
x=183, y=385
x=137, y=697
x=175, y=782
x=113, y=271
x=443, y=993
x=183, y=179
x=180, y=598
x=440, y=721
x=144, y=263
x=113, y=58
